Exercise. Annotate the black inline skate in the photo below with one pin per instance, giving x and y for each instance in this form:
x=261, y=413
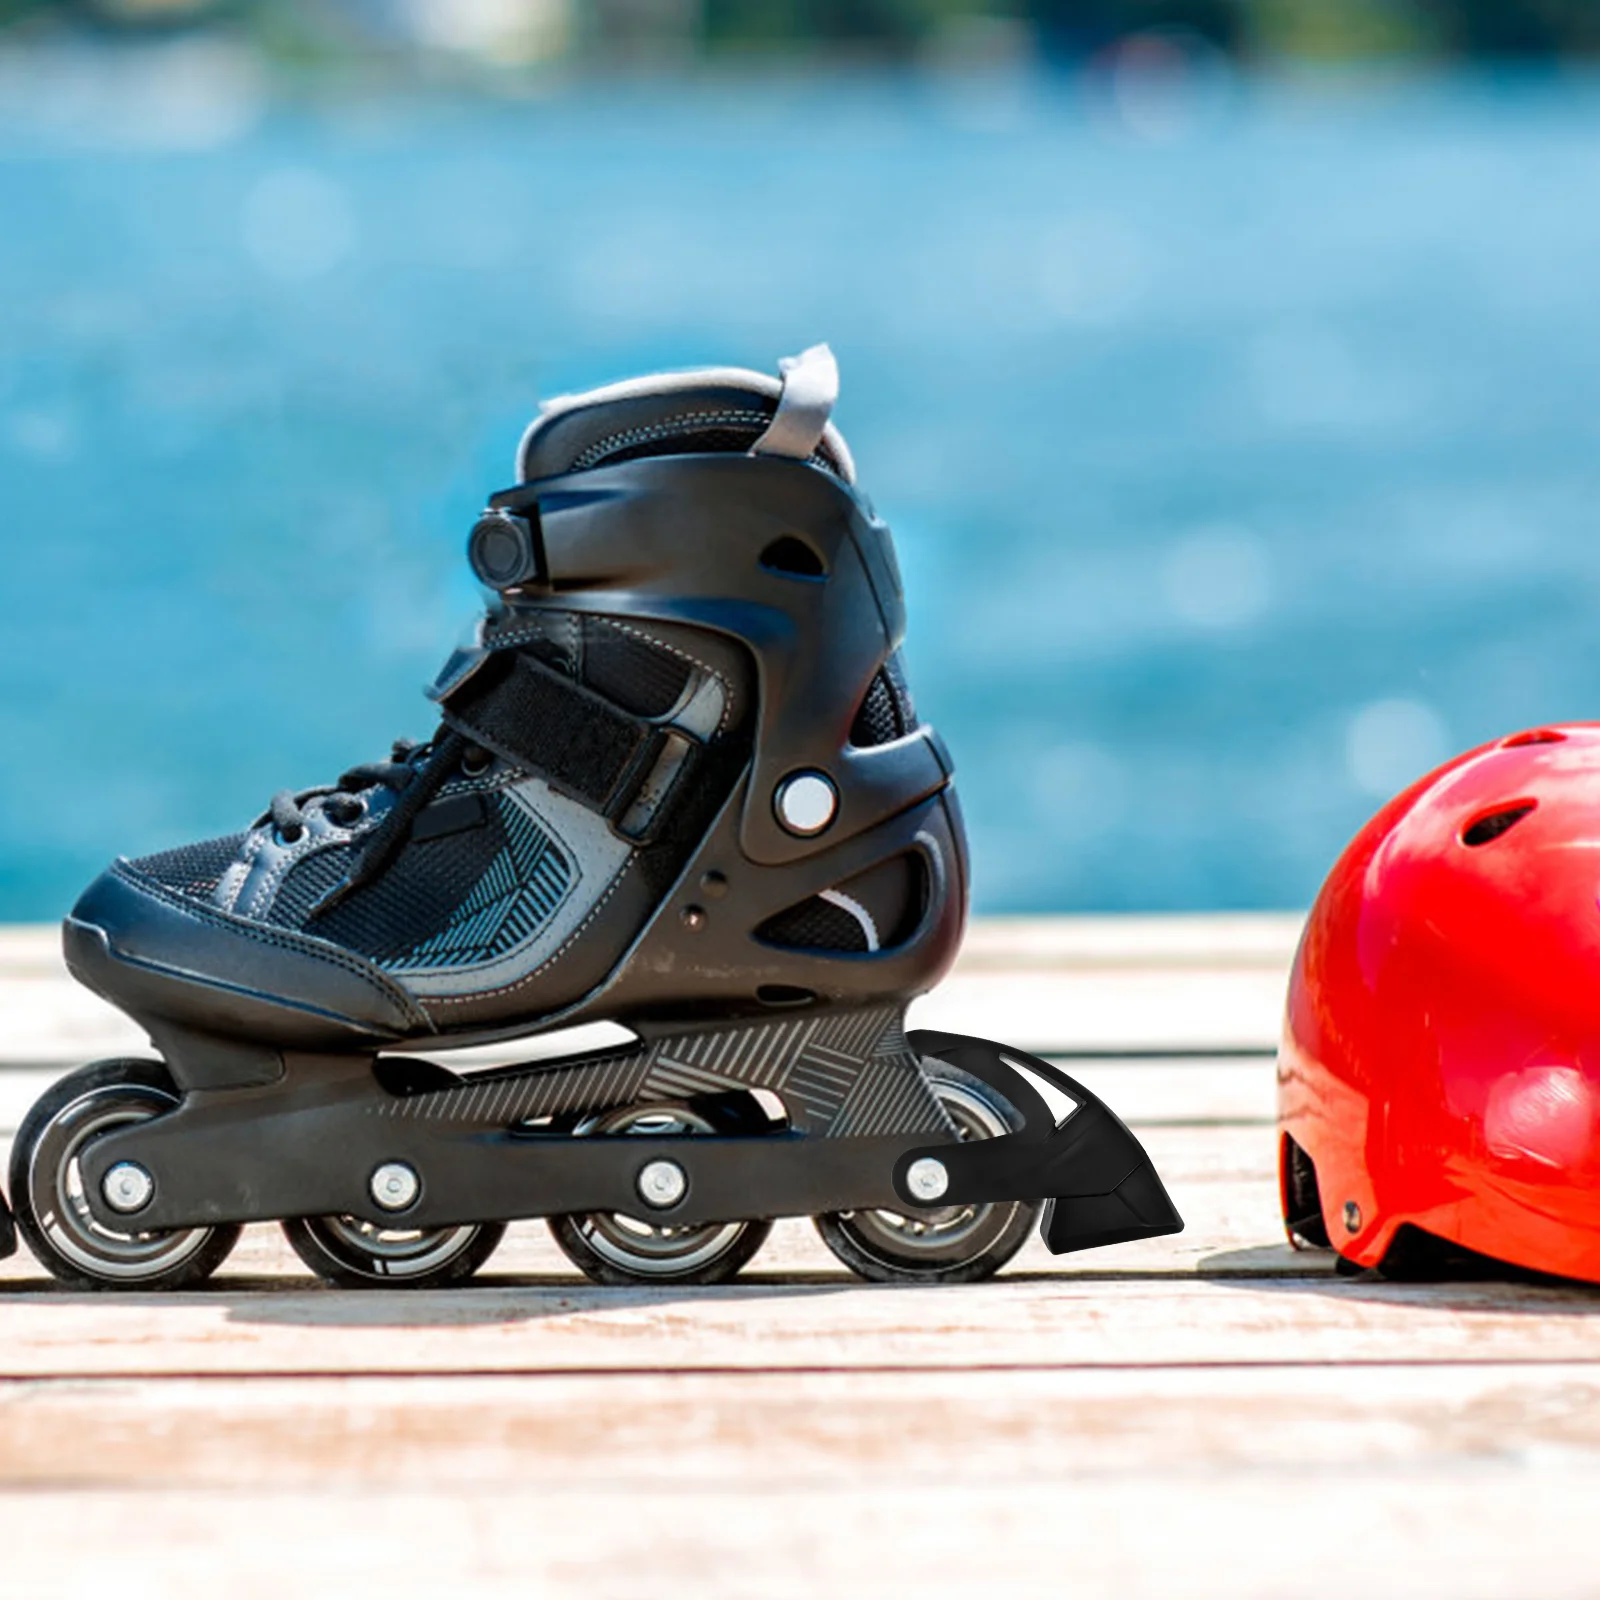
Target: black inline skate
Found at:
x=678, y=784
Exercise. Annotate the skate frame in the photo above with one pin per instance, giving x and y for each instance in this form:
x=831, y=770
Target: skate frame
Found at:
x=308, y=1142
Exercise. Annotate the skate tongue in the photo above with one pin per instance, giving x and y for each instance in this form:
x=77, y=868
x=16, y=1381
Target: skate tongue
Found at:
x=717, y=409
x=810, y=392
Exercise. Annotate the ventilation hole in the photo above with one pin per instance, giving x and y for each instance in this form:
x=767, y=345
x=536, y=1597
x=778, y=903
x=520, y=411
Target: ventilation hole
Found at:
x=878, y=719
x=404, y=1076
x=1057, y=1101
x=784, y=994
x=739, y=1111
x=1302, y=1204
x=1533, y=736
x=794, y=558
x=878, y=909
x=815, y=924
x=772, y=1105
x=1493, y=823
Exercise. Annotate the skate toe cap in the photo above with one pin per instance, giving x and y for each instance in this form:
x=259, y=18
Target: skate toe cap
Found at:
x=160, y=954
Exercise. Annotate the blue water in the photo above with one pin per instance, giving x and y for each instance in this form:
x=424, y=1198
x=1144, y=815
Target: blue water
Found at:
x=1240, y=471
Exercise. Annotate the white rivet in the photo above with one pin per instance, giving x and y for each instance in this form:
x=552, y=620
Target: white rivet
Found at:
x=128, y=1187
x=927, y=1179
x=806, y=802
x=395, y=1186
x=662, y=1183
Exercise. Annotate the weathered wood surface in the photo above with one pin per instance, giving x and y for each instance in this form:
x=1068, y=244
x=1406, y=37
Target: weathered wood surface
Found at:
x=1211, y=1414
x=1157, y=983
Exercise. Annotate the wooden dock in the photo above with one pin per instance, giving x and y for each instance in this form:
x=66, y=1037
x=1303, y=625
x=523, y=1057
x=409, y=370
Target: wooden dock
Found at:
x=1210, y=1414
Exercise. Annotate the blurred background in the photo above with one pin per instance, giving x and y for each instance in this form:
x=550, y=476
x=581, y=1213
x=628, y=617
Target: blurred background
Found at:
x=1229, y=370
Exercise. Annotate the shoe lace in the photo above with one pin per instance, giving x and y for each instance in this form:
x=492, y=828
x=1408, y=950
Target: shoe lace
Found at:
x=415, y=772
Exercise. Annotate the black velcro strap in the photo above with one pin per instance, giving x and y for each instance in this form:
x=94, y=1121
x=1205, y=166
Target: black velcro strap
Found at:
x=576, y=739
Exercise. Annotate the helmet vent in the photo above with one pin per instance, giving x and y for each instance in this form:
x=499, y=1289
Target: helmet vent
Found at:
x=1493, y=823
x=1533, y=736
x=1302, y=1203
x=878, y=909
x=886, y=712
x=794, y=558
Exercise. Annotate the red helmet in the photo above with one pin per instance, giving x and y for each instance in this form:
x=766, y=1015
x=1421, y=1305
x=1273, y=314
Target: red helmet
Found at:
x=1439, y=1078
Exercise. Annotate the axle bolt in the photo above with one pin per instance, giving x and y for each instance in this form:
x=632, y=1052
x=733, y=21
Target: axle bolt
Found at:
x=927, y=1179
x=662, y=1183
x=395, y=1186
x=128, y=1187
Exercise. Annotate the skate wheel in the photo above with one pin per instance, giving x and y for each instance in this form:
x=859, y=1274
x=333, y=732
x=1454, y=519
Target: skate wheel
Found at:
x=362, y=1255
x=614, y=1249
x=939, y=1244
x=47, y=1186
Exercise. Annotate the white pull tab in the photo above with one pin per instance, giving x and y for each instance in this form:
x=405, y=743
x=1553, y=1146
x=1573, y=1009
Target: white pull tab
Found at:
x=810, y=390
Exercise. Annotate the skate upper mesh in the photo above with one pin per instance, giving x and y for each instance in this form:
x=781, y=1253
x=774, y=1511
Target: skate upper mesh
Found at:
x=886, y=712
x=891, y=895
x=444, y=902
x=519, y=893
x=306, y=883
x=476, y=892
x=193, y=869
x=814, y=924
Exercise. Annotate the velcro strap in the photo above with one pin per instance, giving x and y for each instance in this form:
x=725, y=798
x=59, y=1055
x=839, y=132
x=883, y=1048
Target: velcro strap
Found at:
x=579, y=741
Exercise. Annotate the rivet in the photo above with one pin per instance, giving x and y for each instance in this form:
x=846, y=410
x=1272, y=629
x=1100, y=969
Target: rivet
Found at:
x=806, y=802
x=714, y=885
x=694, y=918
x=1352, y=1217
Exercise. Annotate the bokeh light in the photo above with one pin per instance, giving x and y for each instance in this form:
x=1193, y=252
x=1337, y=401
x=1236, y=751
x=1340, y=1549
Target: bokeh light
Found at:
x=1237, y=427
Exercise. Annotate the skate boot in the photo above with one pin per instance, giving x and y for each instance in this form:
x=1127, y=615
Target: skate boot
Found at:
x=678, y=784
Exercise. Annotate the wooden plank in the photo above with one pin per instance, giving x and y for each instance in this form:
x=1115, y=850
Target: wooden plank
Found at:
x=1045, y=1322
x=1486, y=1532
x=50, y=1021
x=807, y=1429
x=1042, y=984
x=1210, y=940
x=1182, y=1416
x=1203, y=1091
